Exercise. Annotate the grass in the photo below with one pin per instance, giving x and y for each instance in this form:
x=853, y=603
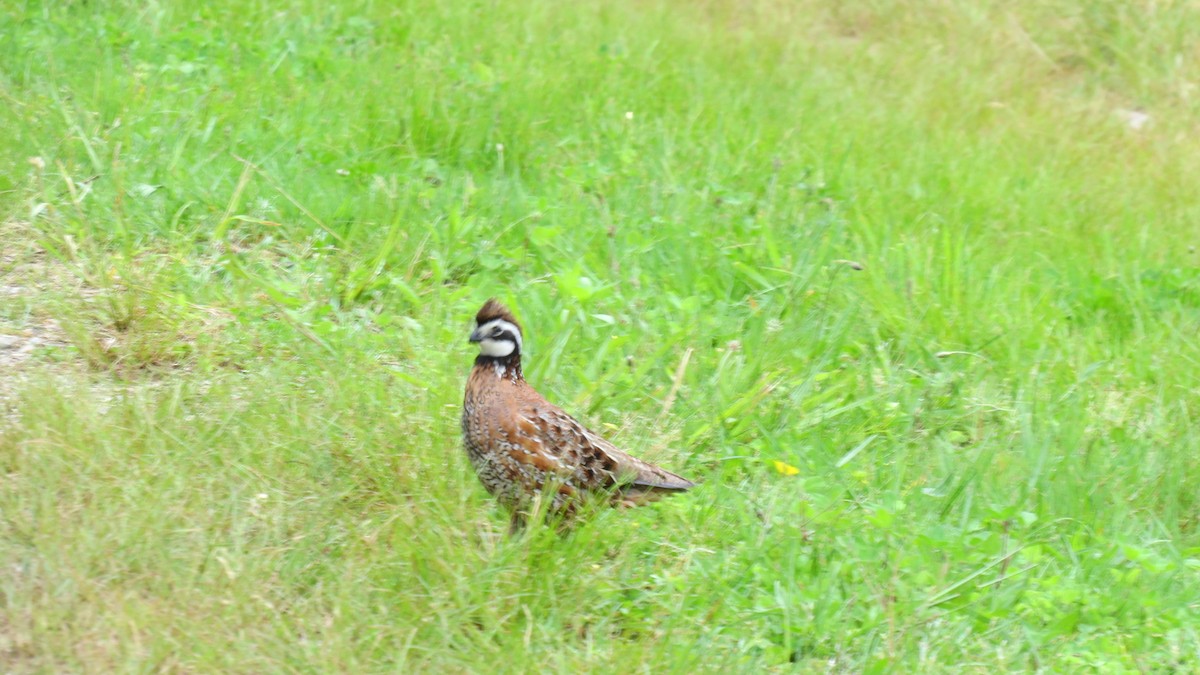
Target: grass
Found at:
x=242, y=243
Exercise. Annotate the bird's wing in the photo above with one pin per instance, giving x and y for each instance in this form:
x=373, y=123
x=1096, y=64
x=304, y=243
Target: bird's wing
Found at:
x=593, y=462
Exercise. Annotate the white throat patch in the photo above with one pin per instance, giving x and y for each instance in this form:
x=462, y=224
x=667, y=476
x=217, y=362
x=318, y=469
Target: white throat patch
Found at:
x=496, y=347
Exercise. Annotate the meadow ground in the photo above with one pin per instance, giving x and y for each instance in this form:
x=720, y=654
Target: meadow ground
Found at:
x=242, y=243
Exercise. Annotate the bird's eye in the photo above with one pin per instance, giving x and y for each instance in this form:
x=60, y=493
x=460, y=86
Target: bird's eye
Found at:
x=496, y=332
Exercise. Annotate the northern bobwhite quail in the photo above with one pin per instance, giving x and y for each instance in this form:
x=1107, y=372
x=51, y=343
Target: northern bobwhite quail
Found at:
x=522, y=445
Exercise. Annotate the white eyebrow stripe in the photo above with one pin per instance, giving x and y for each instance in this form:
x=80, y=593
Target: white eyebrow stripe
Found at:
x=507, y=325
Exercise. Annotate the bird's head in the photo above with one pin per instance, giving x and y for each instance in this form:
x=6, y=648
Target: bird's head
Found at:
x=496, y=331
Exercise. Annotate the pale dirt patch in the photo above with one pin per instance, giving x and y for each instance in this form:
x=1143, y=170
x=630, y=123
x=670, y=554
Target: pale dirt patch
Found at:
x=56, y=327
x=28, y=331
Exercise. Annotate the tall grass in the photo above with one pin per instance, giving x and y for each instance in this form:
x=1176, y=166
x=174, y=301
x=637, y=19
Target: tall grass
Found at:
x=932, y=270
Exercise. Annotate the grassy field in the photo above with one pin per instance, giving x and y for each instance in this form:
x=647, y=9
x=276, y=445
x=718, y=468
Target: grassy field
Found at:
x=242, y=243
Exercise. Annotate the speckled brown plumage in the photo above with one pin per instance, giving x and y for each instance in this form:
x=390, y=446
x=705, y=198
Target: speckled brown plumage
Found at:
x=519, y=443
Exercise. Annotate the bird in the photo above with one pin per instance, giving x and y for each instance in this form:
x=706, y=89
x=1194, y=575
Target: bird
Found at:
x=524, y=448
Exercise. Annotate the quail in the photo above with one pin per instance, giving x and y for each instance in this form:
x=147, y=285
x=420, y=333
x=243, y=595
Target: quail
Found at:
x=522, y=446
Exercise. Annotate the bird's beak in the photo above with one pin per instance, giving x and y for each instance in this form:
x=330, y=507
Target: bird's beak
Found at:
x=476, y=336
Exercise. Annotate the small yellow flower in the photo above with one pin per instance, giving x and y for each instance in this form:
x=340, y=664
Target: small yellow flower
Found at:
x=785, y=468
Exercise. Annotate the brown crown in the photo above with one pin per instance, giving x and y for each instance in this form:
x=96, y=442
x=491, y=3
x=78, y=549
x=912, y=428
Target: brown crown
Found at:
x=492, y=310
